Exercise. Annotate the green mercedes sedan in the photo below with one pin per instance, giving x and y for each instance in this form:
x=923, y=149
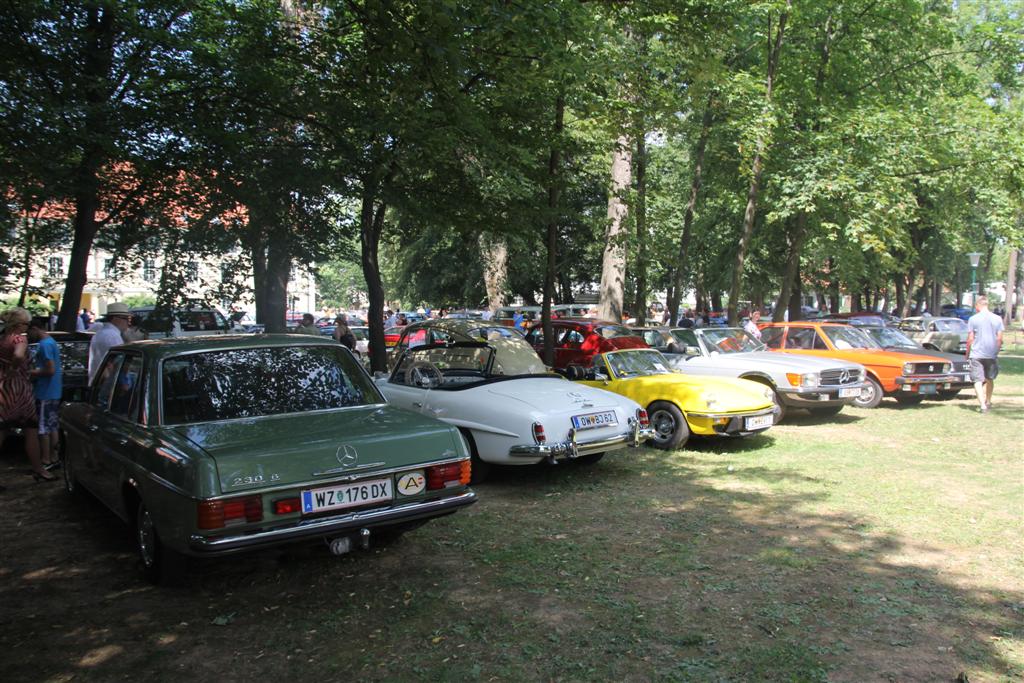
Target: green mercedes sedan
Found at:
x=211, y=446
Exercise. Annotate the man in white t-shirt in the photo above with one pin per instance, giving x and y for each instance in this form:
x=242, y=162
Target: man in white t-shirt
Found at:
x=109, y=335
x=984, y=339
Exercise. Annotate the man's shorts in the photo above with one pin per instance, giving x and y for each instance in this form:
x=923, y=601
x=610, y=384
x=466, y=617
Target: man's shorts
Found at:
x=49, y=416
x=981, y=370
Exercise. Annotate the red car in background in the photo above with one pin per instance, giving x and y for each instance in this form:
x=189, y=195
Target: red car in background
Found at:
x=578, y=340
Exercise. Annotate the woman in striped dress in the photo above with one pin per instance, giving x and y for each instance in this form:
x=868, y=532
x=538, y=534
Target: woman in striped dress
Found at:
x=17, y=403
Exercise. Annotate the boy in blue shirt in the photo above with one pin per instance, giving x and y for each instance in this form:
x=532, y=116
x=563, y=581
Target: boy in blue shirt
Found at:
x=47, y=385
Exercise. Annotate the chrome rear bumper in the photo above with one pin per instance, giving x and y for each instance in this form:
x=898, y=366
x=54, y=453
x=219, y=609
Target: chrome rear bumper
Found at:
x=571, y=448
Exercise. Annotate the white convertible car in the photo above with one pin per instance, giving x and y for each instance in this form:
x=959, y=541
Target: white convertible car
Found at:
x=510, y=409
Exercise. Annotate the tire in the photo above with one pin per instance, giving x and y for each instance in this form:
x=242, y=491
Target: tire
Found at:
x=160, y=564
x=670, y=428
x=909, y=400
x=479, y=470
x=591, y=459
x=825, y=411
x=870, y=395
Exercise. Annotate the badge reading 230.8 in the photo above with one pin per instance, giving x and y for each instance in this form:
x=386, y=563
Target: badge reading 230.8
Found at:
x=411, y=483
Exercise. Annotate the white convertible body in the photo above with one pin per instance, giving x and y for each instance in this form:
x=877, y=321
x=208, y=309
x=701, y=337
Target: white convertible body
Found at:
x=512, y=411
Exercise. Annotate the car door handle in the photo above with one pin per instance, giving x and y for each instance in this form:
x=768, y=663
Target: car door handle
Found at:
x=417, y=404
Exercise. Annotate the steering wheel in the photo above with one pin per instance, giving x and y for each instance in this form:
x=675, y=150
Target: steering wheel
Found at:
x=423, y=374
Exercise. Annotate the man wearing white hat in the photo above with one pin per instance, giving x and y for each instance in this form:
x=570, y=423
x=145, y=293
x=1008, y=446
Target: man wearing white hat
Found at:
x=115, y=322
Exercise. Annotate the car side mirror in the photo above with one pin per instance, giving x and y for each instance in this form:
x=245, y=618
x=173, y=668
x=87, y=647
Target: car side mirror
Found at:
x=600, y=377
x=692, y=351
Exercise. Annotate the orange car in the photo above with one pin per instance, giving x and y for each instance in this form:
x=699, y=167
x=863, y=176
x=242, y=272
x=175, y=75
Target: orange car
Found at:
x=906, y=377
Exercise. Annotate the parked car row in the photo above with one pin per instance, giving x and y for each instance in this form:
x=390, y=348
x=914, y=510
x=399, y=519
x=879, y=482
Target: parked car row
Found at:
x=209, y=446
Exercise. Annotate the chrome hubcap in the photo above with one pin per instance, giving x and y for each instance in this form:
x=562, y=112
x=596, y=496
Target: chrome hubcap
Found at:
x=867, y=394
x=146, y=537
x=664, y=425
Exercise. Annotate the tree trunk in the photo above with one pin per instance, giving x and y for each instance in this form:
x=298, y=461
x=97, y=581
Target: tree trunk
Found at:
x=552, y=233
x=796, y=300
x=29, y=233
x=795, y=239
x=279, y=267
x=684, y=239
x=716, y=300
x=613, y=262
x=640, y=307
x=755, y=171
x=258, y=252
x=1011, y=288
x=371, y=224
x=494, y=254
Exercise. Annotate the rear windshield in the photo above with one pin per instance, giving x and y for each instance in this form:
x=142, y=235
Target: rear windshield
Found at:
x=245, y=383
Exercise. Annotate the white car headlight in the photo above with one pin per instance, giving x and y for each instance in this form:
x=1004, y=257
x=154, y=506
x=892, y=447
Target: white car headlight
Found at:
x=946, y=368
x=908, y=368
x=807, y=379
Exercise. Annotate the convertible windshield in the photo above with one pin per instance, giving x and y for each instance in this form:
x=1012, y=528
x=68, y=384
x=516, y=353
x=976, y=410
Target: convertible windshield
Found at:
x=637, y=363
x=844, y=338
x=730, y=340
x=244, y=383
x=450, y=366
x=887, y=336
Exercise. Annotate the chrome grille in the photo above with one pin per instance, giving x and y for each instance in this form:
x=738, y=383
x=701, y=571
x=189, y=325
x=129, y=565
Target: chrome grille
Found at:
x=839, y=377
x=935, y=368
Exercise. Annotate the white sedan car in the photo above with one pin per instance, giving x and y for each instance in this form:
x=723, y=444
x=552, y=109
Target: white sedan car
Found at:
x=510, y=409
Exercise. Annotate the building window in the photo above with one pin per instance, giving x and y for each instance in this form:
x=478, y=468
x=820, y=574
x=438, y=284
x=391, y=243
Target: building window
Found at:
x=192, y=271
x=149, y=270
x=56, y=266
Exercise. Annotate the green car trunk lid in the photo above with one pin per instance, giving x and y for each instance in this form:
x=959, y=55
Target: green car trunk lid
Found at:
x=286, y=449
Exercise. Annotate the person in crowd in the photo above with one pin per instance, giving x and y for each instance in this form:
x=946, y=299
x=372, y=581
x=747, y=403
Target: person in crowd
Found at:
x=308, y=325
x=517, y=320
x=134, y=331
x=402, y=321
x=17, y=403
x=47, y=387
x=86, y=317
x=109, y=335
x=984, y=340
x=342, y=332
x=390, y=319
x=751, y=325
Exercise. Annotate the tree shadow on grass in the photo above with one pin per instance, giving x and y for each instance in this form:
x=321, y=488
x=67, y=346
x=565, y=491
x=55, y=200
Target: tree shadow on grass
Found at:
x=636, y=568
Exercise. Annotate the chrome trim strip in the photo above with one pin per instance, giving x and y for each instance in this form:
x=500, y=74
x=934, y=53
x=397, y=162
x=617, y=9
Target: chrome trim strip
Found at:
x=716, y=416
x=327, y=525
x=313, y=483
x=571, y=449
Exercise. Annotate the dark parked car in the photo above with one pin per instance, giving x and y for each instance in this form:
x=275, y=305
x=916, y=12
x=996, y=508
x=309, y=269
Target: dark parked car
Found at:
x=577, y=341
x=74, y=361
x=213, y=446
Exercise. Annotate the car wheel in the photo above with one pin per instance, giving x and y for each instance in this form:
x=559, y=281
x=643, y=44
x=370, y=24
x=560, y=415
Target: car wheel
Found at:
x=160, y=564
x=825, y=411
x=670, y=428
x=479, y=470
x=589, y=459
x=870, y=394
x=909, y=400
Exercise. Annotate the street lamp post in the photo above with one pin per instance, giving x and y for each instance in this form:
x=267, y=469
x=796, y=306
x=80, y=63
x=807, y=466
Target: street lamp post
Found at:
x=975, y=260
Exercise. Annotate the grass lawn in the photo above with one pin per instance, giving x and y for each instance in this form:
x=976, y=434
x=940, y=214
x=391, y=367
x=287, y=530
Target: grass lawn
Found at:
x=883, y=545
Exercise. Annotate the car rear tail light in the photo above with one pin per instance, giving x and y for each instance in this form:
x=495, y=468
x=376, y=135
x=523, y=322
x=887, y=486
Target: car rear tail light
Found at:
x=641, y=417
x=287, y=506
x=538, y=433
x=450, y=474
x=217, y=514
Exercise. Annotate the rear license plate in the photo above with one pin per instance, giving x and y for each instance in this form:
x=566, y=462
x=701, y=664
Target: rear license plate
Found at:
x=592, y=420
x=347, y=496
x=759, y=422
x=847, y=392
x=927, y=389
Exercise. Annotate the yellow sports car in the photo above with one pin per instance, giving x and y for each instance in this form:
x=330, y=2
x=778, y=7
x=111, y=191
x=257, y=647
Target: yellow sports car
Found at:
x=677, y=404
